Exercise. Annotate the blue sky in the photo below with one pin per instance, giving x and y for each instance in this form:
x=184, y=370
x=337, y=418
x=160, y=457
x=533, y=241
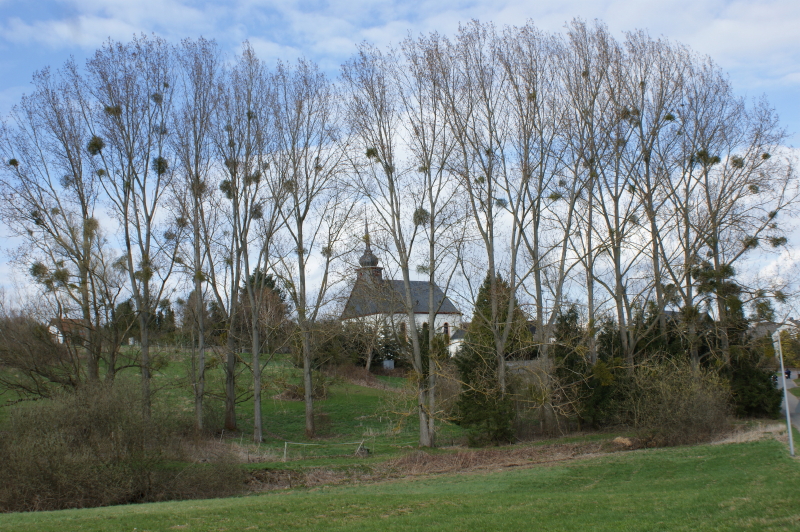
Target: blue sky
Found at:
x=756, y=42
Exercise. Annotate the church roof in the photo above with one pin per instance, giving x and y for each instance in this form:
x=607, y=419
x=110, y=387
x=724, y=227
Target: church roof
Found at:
x=370, y=297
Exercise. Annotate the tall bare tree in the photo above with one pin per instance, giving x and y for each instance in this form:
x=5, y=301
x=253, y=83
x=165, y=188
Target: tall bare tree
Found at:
x=473, y=86
x=193, y=122
x=50, y=198
x=308, y=164
x=394, y=106
x=132, y=86
x=244, y=141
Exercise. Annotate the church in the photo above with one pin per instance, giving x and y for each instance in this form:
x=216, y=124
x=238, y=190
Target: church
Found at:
x=379, y=302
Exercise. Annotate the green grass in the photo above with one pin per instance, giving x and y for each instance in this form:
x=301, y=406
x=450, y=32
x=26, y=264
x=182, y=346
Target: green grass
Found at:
x=349, y=414
x=746, y=486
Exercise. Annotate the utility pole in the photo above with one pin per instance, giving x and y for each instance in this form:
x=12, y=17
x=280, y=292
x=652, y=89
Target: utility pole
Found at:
x=776, y=340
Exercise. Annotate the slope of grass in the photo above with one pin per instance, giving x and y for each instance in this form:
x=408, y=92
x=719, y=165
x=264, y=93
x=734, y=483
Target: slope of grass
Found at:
x=744, y=486
x=349, y=414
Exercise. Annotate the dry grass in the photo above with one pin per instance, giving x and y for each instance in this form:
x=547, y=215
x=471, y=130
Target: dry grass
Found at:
x=420, y=463
x=358, y=376
x=760, y=431
x=355, y=375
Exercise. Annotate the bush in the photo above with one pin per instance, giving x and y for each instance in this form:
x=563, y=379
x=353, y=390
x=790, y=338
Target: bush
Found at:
x=753, y=391
x=93, y=447
x=34, y=364
x=672, y=403
x=481, y=408
x=293, y=391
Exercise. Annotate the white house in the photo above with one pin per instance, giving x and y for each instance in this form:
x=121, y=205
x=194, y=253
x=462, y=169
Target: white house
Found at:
x=69, y=330
x=379, y=302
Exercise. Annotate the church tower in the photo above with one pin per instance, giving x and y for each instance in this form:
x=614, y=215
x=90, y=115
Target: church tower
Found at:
x=369, y=270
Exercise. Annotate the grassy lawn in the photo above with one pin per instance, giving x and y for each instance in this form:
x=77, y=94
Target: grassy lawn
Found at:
x=743, y=486
x=737, y=486
x=349, y=414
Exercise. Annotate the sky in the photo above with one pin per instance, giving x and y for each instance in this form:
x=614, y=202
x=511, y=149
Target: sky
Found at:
x=756, y=42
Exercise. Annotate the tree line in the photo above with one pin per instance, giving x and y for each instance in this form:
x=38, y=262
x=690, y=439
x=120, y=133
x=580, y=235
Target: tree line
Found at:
x=622, y=177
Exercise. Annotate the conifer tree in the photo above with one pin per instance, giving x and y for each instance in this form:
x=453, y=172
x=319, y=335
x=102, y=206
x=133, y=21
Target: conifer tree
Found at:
x=483, y=408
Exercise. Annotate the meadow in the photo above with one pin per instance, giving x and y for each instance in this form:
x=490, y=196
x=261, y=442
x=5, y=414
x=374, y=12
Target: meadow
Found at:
x=574, y=483
x=736, y=486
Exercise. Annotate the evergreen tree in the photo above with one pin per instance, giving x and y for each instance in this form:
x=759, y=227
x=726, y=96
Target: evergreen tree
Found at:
x=482, y=408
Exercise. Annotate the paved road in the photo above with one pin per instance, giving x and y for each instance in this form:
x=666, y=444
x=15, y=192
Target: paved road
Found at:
x=794, y=402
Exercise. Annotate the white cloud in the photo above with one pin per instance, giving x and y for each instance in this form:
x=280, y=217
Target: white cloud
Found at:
x=84, y=31
x=781, y=269
x=91, y=23
x=270, y=52
x=757, y=42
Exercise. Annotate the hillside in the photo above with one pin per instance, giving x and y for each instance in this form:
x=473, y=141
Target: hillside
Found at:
x=747, y=485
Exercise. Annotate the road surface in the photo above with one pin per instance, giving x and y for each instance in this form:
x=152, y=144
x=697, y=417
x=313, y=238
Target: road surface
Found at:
x=794, y=402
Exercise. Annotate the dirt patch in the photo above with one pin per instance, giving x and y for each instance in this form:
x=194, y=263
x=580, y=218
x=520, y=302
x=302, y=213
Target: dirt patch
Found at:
x=360, y=377
x=279, y=479
x=422, y=463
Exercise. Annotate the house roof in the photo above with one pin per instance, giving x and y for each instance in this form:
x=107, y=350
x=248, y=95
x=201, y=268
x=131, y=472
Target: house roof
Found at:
x=378, y=296
x=766, y=327
x=459, y=334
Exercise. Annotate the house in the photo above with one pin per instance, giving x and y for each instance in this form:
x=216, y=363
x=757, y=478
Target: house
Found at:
x=379, y=302
x=69, y=330
x=759, y=329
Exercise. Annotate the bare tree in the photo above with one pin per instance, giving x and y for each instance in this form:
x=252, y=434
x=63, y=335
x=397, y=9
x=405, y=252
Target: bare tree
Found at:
x=193, y=123
x=393, y=106
x=473, y=86
x=742, y=190
x=308, y=163
x=244, y=141
x=539, y=155
x=50, y=199
x=132, y=85
x=438, y=202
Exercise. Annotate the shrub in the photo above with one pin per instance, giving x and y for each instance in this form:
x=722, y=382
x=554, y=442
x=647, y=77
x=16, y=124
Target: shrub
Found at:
x=296, y=391
x=753, y=392
x=34, y=363
x=672, y=403
x=482, y=409
x=93, y=447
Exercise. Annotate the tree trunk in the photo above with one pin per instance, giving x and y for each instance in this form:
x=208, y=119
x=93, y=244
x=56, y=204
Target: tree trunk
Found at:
x=256, y=346
x=230, y=382
x=144, y=318
x=308, y=384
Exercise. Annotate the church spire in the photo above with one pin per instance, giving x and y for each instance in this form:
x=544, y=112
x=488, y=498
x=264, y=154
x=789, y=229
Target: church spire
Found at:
x=368, y=259
x=369, y=269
